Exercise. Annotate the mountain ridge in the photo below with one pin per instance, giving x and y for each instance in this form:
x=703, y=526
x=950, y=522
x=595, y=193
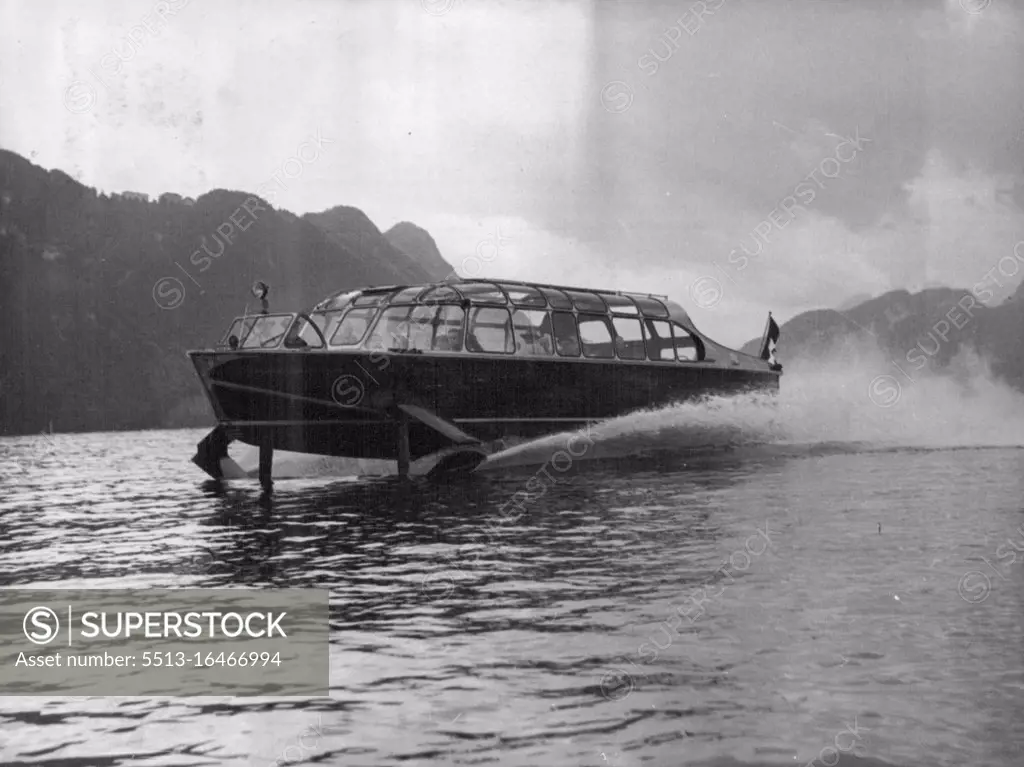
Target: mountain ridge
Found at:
x=927, y=329
x=104, y=293
x=417, y=243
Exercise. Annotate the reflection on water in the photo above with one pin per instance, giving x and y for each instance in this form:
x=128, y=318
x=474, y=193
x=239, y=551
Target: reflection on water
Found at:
x=668, y=610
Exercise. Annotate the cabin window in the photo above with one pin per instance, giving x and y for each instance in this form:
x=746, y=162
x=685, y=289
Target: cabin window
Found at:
x=490, y=330
x=651, y=307
x=558, y=300
x=407, y=295
x=267, y=331
x=327, y=321
x=567, y=341
x=621, y=305
x=398, y=329
x=247, y=325
x=352, y=328
x=450, y=324
x=521, y=295
x=533, y=333
x=235, y=330
x=440, y=294
x=373, y=299
x=420, y=328
x=660, y=345
x=629, y=338
x=337, y=302
x=304, y=335
x=688, y=348
x=596, y=337
x=587, y=302
x=482, y=293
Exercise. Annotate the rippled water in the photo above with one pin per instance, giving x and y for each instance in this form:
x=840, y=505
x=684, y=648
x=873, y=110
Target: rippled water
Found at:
x=460, y=637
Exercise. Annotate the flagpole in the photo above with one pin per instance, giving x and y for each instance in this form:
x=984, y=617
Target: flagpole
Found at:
x=764, y=337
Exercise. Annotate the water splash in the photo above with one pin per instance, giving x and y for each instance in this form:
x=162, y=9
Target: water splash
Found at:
x=832, y=404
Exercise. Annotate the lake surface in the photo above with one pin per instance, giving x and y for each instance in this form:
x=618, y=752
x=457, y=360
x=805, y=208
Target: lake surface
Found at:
x=866, y=616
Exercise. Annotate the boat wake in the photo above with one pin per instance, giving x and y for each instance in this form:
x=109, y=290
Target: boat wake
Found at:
x=852, y=405
x=858, y=404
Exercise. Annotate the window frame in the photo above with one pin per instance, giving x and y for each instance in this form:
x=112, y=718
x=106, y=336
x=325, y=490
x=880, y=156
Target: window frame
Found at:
x=432, y=323
x=310, y=322
x=557, y=299
x=622, y=305
x=366, y=301
x=509, y=335
x=476, y=296
x=399, y=299
x=587, y=302
x=648, y=339
x=534, y=299
x=575, y=334
x=225, y=341
x=338, y=302
x=260, y=318
x=551, y=336
x=375, y=312
x=606, y=320
x=698, y=345
x=652, y=308
x=430, y=297
x=330, y=315
x=463, y=327
x=381, y=315
x=615, y=340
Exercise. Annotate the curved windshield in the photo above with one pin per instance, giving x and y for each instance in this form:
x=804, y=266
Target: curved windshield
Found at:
x=238, y=330
x=266, y=331
x=352, y=328
x=307, y=332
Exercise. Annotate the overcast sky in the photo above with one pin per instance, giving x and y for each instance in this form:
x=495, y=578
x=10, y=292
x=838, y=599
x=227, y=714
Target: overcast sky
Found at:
x=625, y=145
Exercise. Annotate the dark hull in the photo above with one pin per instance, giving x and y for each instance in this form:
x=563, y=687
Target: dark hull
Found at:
x=346, y=403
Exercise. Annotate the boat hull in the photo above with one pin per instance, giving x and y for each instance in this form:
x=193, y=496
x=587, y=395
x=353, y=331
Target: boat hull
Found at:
x=349, y=403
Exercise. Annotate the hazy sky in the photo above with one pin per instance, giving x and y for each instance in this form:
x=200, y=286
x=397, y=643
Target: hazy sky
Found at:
x=631, y=145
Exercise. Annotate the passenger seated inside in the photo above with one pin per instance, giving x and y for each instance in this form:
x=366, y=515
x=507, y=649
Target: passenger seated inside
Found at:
x=348, y=335
x=473, y=343
x=567, y=343
x=448, y=324
x=543, y=339
x=233, y=342
x=532, y=333
x=448, y=339
x=629, y=338
x=490, y=331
